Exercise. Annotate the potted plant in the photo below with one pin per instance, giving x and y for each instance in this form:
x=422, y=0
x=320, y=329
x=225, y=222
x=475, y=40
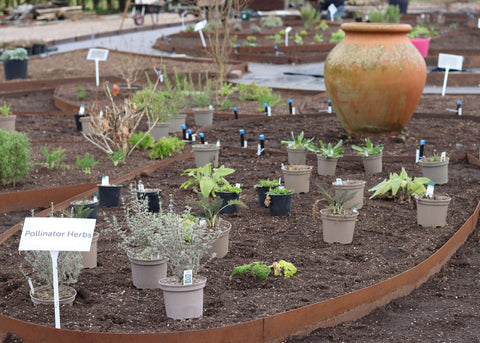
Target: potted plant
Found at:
x=327, y=157
x=298, y=147
x=81, y=205
x=69, y=264
x=356, y=187
x=109, y=195
x=435, y=167
x=152, y=195
x=140, y=241
x=15, y=63
x=371, y=156
x=7, y=120
x=338, y=221
x=262, y=187
x=206, y=179
x=279, y=201
x=186, y=248
x=228, y=192
x=201, y=101
x=420, y=37
x=206, y=153
x=400, y=187
x=297, y=177
x=432, y=210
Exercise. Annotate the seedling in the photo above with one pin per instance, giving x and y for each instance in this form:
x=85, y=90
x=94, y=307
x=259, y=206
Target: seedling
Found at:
x=86, y=163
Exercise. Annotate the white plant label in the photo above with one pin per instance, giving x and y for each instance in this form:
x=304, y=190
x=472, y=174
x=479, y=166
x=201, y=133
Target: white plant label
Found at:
x=287, y=30
x=238, y=185
x=187, y=277
x=105, y=180
x=32, y=289
x=245, y=144
x=218, y=142
x=443, y=156
x=95, y=198
x=478, y=25
x=269, y=111
x=417, y=156
x=81, y=111
x=97, y=55
x=448, y=62
x=430, y=188
x=293, y=111
x=141, y=188
x=332, y=9
x=339, y=181
x=279, y=180
x=101, y=114
x=329, y=109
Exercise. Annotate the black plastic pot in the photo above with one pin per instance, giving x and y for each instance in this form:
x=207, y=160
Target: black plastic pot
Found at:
x=280, y=205
x=78, y=123
x=226, y=197
x=109, y=196
x=153, y=196
x=402, y=5
x=15, y=69
x=261, y=191
x=86, y=204
x=38, y=49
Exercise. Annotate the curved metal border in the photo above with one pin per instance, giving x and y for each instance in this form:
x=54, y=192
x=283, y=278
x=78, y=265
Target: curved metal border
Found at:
x=350, y=306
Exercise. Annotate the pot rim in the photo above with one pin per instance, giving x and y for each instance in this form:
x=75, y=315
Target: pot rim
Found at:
x=376, y=27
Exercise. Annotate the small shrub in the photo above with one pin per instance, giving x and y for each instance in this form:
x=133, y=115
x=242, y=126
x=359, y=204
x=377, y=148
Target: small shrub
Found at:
x=54, y=159
x=310, y=16
x=165, y=147
x=376, y=17
x=5, y=109
x=14, y=156
x=322, y=26
x=255, y=28
x=318, y=38
x=271, y=22
x=392, y=14
x=337, y=36
x=144, y=141
x=86, y=163
x=117, y=157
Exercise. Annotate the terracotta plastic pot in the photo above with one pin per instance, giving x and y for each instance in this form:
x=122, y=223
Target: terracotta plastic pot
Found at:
x=338, y=228
x=206, y=153
x=375, y=78
x=203, y=116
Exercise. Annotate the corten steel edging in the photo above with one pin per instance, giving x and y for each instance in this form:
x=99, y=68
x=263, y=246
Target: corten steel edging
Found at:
x=19, y=201
x=330, y=312
x=359, y=303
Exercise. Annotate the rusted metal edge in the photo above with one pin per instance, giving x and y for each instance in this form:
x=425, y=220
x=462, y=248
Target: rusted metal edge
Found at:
x=359, y=303
x=331, y=312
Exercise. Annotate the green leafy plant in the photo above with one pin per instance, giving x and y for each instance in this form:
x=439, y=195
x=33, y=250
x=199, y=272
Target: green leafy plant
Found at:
x=337, y=36
x=166, y=147
x=271, y=22
x=300, y=142
x=190, y=28
x=369, y=149
x=19, y=54
x=14, y=156
x=209, y=209
x=376, y=16
x=336, y=203
x=271, y=100
x=310, y=16
x=400, y=187
x=262, y=271
x=80, y=93
x=280, y=191
x=266, y=183
x=436, y=157
x=142, y=140
x=5, y=109
x=78, y=211
x=54, y=159
x=330, y=151
x=250, y=41
x=206, y=179
x=392, y=14
x=229, y=189
x=86, y=163
x=322, y=26
x=318, y=38
x=298, y=39
x=421, y=31
x=117, y=157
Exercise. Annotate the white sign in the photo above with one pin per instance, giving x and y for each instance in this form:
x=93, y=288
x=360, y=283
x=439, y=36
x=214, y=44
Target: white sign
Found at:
x=200, y=25
x=450, y=61
x=287, y=30
x=332, y=9
x=97, y=54
x=62, y=234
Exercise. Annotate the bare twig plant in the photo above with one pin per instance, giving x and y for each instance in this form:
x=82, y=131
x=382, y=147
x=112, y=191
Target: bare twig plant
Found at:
x=112, y=126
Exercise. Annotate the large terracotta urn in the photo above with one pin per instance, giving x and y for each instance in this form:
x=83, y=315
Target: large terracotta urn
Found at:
x=375, y=77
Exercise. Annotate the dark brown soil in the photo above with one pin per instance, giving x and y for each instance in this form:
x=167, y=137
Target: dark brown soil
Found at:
x=387, y=239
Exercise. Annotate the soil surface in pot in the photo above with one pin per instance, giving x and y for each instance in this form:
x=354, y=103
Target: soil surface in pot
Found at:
x=387, y=240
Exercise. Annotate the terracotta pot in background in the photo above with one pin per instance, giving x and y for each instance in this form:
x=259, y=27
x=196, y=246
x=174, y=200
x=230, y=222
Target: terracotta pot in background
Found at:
x=375, y=78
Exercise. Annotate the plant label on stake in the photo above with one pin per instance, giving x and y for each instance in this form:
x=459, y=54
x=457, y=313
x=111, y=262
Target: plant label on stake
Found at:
x=287, y=30
x=430, y=187
x=443, y=156
x=339, y=181
x=97, y=55
x=54, y=235
x=187, y=277
x=447, y=62
x=329, y=108
x=81, y=111
x=198, y=28
x=332, y=9
x=105, y=180
x=261, y=146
